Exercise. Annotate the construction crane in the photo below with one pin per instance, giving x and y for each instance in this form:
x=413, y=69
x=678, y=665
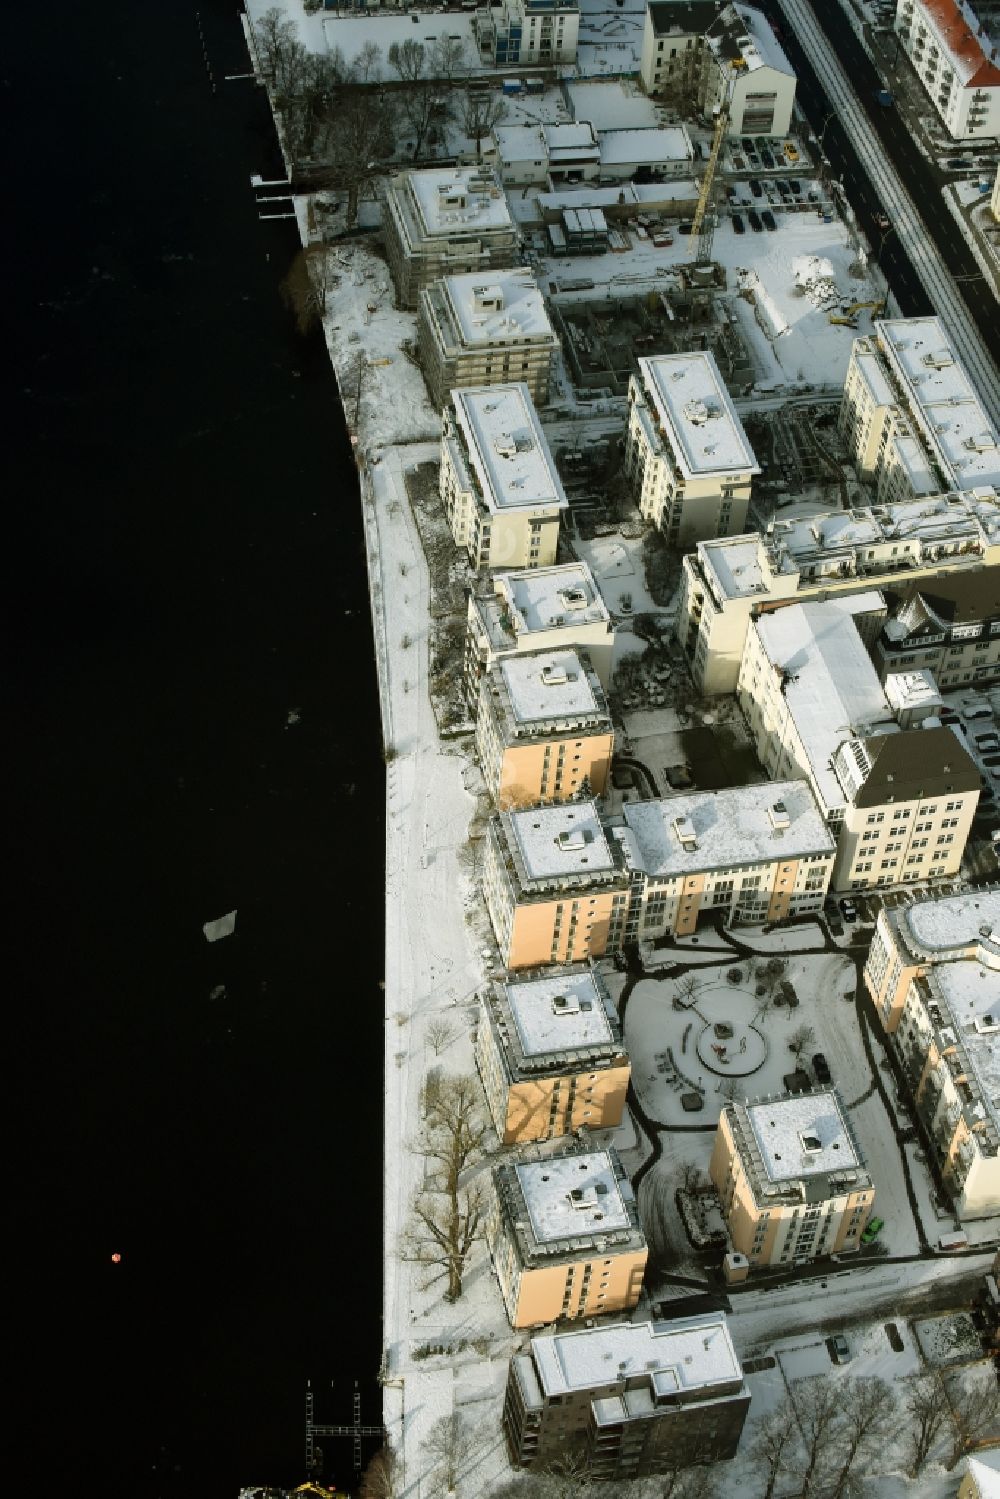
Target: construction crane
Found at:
x=703, y=223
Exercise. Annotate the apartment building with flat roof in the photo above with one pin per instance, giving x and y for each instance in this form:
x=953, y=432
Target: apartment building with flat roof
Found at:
x=725, y=583
x=686, y=452
x=498, y=482
x=748, y=853
x=957, y=63
x=442, y=222
x=947, y=626
x=556, y=886
x=480, y=331
x=900, y=801
x=543, y=729
x=550, y=1054
x=631, y=1400
x=933, y=972
x=563, y=1230
x=911, y=416
x=564, y=882
x=545, y=608
x=528, y=33
x=791, y=1178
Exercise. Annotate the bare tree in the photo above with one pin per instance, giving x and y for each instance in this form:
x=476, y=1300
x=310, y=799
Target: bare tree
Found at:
x=691, y=1177
x=925, y=1415
x=408, y=60
x=449, y=1444
x=380, y=1477
x=448, y=58
x=307, y=285
x=773, y=1443
x=368, y=63
x=801, y=1037
x=867, y=1408
x=441, y=1032
x=358, y=136
x=417, y=105
x=273, y=34
x=479, y=113
x=687, y=988
x=817, y=1409
x=975, y=1407
x=447, y=1216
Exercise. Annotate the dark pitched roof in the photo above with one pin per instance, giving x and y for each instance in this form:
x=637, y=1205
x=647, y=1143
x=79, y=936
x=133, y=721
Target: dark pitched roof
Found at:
x=956, y=598
x=686, y=17
x=915, y=764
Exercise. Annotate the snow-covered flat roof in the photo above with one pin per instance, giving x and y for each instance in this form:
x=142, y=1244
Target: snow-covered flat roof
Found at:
x=573, y=1196
x=640, y=195
x=736, y=826
x=911, y=689
x=549, y=685
x=695, y=409
x=869, y=367
x=352, y=33
x=951, y=923
x=802, y=1136
x=971, y=992
x=830, y=686
x=665, y=143
x=693, y=1353
x=942, y=399
x=507, y=448
x=497, y=307
x=559, y=841
x=564, y=1012
x=548, y=597
x=520, y=143
x=610, y=104
x=911, y=457
x=459, y=200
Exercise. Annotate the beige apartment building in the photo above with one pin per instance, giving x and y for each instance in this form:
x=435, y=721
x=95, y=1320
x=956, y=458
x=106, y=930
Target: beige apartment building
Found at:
x=726, y=583
x=791, y=1178
x=548, y=608
x=550, y=1055
x=911, y=416
x=749, y=854
x=628, y=1401
x=443, y=222
x=498, y=482
x=933, y=972
x=543, y=730
x=955, y=59
x=556, y=887
x=565, y=1237
x=699, y=54
x=948, y=626
x=686, y=453
x=900, y=801
x=473, y=331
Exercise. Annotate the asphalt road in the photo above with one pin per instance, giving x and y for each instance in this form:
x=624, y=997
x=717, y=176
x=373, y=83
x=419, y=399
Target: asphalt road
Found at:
x=921, y=180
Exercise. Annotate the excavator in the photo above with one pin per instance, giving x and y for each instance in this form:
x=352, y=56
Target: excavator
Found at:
x=849, y=317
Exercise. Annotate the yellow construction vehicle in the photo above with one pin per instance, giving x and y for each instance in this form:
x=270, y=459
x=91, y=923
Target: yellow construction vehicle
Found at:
x=850, y=314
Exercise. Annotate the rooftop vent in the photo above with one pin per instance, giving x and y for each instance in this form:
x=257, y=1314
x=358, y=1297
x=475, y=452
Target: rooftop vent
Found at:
x=564, y=1004
x=573, y=839
x=698, y=411
x=574, y=598
x=810, y=1143
x=554, y=676
x=487, y=298
x=685, y=833
x=779, y=815
x=941, y=360
x=505, y=445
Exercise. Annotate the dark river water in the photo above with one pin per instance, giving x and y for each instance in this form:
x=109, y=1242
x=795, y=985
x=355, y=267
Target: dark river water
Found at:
x=193, y=729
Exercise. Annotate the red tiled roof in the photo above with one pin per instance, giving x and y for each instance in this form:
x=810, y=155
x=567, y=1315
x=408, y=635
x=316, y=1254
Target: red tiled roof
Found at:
x=964, y=46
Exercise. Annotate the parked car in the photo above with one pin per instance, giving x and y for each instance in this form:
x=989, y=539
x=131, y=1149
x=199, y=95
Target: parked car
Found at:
x=872, y=1231
x=795, y=185
x=821, y=1067
x=738, y=224
x=988, y=739
x=840, y=1348
x=849, y=910
x=746, y=143
x=991, y=760
x=783, y=188
x=769, y=219
x=684, y=228
x=755, y=187
x=881, y=219
x=948, y=715
x=767, y=159
x=755, y=221
x=883, y=97
x=956, y=163
x=791, y=152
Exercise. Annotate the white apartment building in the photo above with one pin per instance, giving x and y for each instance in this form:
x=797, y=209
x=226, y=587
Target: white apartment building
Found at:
x=791, y=1178
x=955, y=60
x=748, y=853
x=536, y=155
x=472, y=331
x=445, y=221
x=911, y=416
x=899, y=801
x=498, y=481
x=540, y=609
x=726, y=583
x=528, y=33
x=933, y=972
x=685, y=449
x=543, y=729
x=703, y=53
